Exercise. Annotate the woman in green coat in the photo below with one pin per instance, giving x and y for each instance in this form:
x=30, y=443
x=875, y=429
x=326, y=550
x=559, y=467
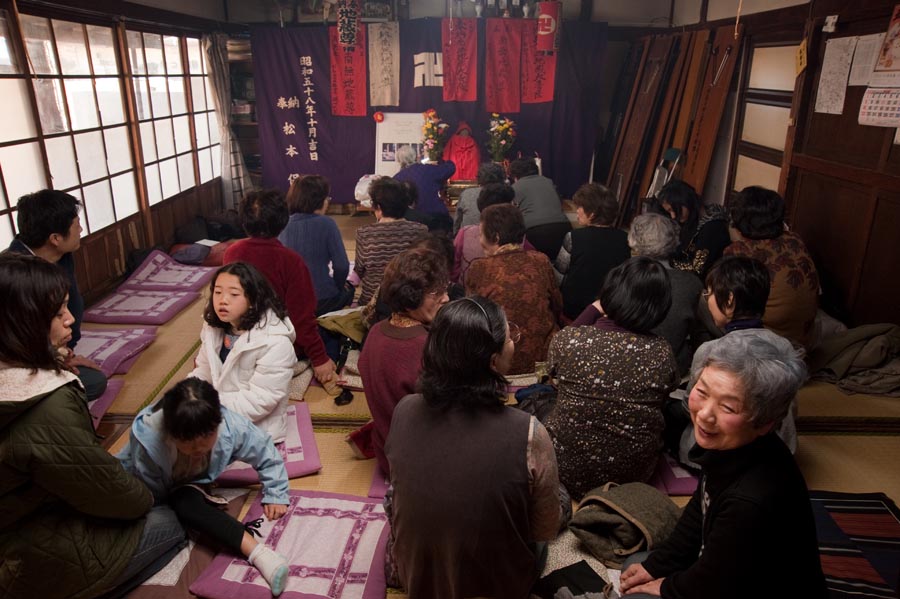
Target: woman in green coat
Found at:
x=73, y=522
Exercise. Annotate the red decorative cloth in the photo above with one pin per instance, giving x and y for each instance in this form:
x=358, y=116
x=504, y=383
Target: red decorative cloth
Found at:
x=464, y=153
x=459, y=38
x=503, y=53
x=538, y=68
x=349, y=85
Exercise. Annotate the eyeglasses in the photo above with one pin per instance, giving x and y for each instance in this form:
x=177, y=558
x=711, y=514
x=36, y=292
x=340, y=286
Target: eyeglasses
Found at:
x=515, y=333
x=706, y=293
x=439, y=292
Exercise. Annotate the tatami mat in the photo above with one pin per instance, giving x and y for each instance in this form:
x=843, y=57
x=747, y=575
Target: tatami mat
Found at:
x=851, y=463
x=174, y=340
x=822, y=407
x=323, y=410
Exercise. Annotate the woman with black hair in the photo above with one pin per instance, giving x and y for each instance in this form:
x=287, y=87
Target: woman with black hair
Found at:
x=704, y=227
x=613, y=377
x=74, y=523
x=474, y=483
x=757, y=231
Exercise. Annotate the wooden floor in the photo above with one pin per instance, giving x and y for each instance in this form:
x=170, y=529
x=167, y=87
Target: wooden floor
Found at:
x=859, y=462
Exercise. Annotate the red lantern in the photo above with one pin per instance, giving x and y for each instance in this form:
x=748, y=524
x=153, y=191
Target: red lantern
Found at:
x=548, y=22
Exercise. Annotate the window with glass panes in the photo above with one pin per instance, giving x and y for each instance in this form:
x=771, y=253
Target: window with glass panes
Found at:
x=82, y=118
x=167, y=118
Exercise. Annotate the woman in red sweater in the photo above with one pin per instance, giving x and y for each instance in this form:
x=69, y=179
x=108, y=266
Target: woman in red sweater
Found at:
x=414, y=287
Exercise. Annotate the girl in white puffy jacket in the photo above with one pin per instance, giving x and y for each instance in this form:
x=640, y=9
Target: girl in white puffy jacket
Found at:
x=247, y=347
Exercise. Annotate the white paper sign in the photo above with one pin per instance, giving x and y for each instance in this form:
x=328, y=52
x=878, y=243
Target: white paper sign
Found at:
x=835, y=70
x=397, y=129
x=880, y=107
x=864, y=58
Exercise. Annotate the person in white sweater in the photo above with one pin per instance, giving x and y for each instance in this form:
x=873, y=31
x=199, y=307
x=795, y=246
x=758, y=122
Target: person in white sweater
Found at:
x=247, y=347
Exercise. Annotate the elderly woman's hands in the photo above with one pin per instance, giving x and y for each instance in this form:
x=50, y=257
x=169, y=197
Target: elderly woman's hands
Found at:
x=636, y=579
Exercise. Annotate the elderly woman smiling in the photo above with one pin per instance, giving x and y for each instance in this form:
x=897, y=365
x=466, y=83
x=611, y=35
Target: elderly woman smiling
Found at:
x=751, y=513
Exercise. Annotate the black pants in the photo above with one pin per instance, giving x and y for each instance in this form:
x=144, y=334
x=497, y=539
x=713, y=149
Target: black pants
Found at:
x=548, y=238
x=195, y=513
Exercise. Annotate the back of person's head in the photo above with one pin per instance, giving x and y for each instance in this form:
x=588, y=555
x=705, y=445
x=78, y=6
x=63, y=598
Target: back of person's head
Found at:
x=406, y=155
x=653, y=235
x=43, y=213
x=410, y=275
x=758, y=213
x=490, y=172
x=389, y=196
x=191, y=410
x=493, y=194
x=741, y=284
x=412, y=193
x=598, y=202
x=263, y=213
x=522, y=167
x=768, y=367
x=503, y=224
x=307, y=194
x=637, y=294
x=259, y=293
x=32, y=292
x=437, y=242
x=457, y=368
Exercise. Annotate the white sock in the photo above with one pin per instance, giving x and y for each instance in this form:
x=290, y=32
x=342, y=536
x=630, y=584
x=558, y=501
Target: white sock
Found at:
x=272, y=565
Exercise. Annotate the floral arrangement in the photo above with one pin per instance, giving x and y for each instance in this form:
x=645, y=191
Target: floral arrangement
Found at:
x=434, y=132
x=501, y=136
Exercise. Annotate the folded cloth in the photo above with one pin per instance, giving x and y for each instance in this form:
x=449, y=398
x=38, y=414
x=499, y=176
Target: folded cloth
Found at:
x=614, y=521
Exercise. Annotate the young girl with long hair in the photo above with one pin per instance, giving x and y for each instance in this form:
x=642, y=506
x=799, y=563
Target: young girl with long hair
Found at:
x=247, y=350
x=185, y=442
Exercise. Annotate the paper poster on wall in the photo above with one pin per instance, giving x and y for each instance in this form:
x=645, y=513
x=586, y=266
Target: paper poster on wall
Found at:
x=887, y=68
x=880, y=108
x=398, y=129
x=865, y=57
x=835, y=70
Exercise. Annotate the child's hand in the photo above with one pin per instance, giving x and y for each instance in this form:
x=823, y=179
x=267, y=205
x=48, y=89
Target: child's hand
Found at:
x=274, y=511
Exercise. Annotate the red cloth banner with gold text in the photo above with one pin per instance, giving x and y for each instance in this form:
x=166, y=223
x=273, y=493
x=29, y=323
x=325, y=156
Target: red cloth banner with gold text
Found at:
x=503, y=47
x=459, y=42
x=348, y=75
x=538, y=68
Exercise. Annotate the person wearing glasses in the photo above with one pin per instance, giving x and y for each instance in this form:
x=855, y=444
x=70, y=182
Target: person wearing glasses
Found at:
x=318, y=241
x=521, y=281
x=414, y=287
x=613, y=378
x=474, y=487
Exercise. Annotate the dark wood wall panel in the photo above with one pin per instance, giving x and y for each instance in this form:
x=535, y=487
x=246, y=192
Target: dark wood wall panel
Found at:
x=836, y=137
x=879, y=290
x=823, y=202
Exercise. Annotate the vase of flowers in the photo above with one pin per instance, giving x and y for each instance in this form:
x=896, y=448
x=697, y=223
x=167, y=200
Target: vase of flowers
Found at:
x=501, y=136
x=434, y=133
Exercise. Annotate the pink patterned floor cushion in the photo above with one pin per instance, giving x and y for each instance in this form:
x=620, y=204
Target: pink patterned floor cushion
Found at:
x=134, y=306
x=299, y=451
x=160, y=272
x=99, y=406
x=115, y=350
x=334, y=545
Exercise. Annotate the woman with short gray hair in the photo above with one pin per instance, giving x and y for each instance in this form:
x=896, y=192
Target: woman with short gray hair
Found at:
x=751, y=512
x=406, y=156
x=655, y=236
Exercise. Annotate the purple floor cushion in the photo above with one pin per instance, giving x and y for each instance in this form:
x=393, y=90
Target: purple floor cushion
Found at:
x=334, y=545
x=380, y=484
x=115, y=350
x=299, y=451
x=99, y=406
x=160, y=272
x=132, y=306
x=672, y=479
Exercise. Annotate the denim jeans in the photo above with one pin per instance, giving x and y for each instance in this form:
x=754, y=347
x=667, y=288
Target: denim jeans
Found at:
x=163, y=537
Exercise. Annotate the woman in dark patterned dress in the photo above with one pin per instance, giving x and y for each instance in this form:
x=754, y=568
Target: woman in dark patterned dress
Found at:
x=612, y=378
x=521, y=281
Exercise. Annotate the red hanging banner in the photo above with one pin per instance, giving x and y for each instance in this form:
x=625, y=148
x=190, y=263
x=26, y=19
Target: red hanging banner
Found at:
x=459, y=42
x=548, y=22
x=348, y=74
x=503, y=48
x=538, y=68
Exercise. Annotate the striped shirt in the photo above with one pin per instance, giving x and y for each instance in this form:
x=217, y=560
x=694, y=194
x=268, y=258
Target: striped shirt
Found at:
x=376, y=245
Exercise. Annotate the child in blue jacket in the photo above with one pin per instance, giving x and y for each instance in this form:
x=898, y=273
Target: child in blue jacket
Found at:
x=186, y=441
